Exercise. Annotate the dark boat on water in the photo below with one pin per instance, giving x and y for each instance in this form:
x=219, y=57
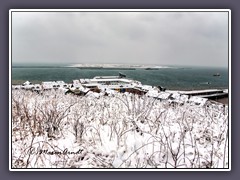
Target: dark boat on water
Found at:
x=151, y=68
x=217, y=74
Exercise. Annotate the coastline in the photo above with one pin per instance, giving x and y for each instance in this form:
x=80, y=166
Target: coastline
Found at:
x=223, y=100
x=179, y=88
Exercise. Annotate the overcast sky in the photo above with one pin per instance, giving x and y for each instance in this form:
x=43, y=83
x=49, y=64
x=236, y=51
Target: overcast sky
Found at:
x=164, y=38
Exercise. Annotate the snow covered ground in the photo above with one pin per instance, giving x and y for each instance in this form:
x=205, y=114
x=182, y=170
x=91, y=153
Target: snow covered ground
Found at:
x=122, y=130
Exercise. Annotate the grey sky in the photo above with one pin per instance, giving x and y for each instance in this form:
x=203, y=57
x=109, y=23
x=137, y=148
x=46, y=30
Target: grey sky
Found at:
x=164, y=38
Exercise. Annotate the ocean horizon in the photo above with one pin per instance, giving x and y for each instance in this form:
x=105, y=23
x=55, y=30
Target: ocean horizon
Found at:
x=170, y=77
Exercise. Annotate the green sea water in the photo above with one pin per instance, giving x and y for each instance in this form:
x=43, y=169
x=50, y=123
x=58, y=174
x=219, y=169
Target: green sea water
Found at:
x=174, y=78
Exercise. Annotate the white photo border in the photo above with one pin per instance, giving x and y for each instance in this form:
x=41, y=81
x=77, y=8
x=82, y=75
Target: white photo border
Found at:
x=117, y=10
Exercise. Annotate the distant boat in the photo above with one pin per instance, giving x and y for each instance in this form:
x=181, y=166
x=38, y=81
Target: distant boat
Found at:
x=217, y=74
x=151, y=68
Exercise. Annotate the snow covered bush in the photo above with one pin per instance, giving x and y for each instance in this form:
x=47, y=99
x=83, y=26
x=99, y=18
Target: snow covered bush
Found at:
x=53, y=130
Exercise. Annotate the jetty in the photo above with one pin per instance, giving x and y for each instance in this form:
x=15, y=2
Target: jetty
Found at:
x=212, y=94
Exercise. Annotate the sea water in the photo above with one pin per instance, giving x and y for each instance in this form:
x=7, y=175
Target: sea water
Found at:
x=174, y=78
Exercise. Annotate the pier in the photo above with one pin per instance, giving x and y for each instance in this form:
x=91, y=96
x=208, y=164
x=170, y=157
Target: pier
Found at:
x=212, y=94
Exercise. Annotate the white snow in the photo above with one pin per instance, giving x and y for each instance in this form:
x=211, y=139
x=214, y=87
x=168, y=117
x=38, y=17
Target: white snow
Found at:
x=121, y=130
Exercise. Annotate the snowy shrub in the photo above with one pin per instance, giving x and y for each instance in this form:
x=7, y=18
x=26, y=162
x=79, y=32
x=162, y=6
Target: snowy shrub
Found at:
x=53, y=130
